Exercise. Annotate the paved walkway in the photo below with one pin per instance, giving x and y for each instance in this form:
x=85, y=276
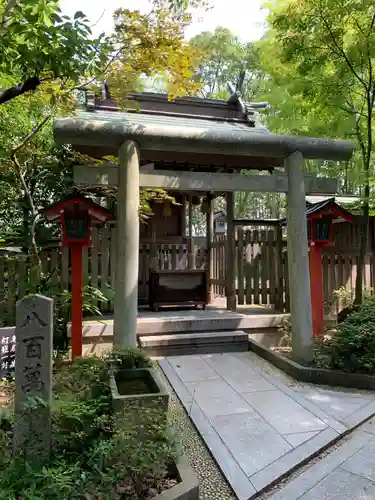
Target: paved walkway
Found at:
x=348, y=473
x=256, y=421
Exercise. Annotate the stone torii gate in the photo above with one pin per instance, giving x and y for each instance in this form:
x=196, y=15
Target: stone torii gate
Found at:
x=137, y=137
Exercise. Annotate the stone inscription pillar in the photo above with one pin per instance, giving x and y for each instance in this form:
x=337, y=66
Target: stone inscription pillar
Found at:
x=33, y=376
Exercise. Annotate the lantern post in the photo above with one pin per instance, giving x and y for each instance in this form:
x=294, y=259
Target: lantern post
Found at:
x=77, y=300
x=316, y=289
x=76, y=216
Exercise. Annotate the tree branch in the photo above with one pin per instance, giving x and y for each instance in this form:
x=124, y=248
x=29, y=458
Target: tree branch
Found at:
x=9, y=6
x=350, y=111
x=360, y=137
x=357, y=24
x=106, y=68
x=358, y=132
x=31, y=203
x=341, y=51
x=369, y=55
x=25, y=187
x=370, y=107
x=372, y=24
x=31, y=135
x=27, y=86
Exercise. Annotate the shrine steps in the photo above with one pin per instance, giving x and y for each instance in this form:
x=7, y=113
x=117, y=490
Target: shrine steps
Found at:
x=211, y=320
x=194, y=343
x=262, y=326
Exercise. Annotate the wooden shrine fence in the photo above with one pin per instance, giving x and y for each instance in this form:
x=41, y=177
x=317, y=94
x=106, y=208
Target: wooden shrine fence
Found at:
x=99, y=265
x=261, y=268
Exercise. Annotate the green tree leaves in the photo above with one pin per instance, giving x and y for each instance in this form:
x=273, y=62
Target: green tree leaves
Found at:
x=39, y=42
x=224, y=57
x=44, y=56
x=151, y=45
x=320, y=55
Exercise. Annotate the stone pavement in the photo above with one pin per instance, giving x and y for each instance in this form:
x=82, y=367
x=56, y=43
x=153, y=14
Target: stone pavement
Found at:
x=348, y=473
x=258, y=423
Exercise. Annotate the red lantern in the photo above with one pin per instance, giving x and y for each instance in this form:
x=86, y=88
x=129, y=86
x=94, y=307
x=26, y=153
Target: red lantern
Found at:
x=76, y=216
x=320, y=219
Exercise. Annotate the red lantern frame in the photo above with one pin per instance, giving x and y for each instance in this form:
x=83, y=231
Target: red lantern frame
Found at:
x=95, y=214
x=330, y=212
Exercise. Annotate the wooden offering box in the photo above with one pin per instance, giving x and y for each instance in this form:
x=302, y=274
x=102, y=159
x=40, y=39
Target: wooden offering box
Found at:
x=178, y=288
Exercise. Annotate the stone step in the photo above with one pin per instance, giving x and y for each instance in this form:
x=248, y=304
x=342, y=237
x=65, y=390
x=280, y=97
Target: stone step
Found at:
x=186, y=322
x=192, y=338
x=195, y=343
x=206, y=321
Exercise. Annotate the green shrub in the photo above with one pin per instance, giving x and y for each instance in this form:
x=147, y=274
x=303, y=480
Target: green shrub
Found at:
x=92, y=457
x=86, y=379
x=78, y=426
x=285, y=329
x=352, y=347
x=127, y=358
x=6, y=424
x=322, y=346
x=138, y=455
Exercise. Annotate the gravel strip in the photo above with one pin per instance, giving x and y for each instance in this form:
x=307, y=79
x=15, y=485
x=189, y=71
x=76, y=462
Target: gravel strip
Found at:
x=212, y=484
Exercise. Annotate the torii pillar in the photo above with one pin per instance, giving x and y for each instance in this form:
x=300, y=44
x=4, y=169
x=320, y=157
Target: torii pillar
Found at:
x=231, y=253
x=298, y=260
x=127, y=250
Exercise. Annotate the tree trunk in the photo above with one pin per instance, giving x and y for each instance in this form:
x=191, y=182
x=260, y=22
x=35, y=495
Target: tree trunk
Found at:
x=26, y=226
x=363, y=244
x=366, y=156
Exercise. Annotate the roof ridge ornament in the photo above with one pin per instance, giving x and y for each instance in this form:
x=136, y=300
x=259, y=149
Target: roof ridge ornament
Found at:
x=235, y=98
x=247, y=108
